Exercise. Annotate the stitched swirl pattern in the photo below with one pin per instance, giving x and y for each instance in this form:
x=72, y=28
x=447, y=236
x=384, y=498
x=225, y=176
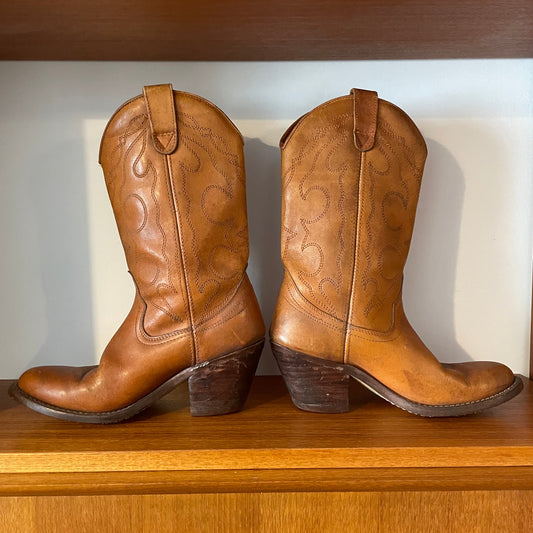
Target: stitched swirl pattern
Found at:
x=315, y=219
x=211, y=182
x=137, y=189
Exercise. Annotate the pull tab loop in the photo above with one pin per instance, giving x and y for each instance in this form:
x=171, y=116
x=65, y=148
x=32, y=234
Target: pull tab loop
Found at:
x=162, y=115
x=365, y=118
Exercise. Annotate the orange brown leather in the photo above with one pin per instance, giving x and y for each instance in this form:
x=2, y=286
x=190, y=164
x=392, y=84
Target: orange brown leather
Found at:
x=351, y=174
x=365, y=118
x=162, y=115
x=174, y=170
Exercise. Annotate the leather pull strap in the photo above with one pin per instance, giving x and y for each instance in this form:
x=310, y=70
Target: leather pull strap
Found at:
x=365, y=118
x=162, y=114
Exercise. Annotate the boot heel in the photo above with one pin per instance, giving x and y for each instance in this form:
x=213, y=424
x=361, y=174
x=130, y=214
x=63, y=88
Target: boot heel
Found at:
x=314, y=384
x=222, y=385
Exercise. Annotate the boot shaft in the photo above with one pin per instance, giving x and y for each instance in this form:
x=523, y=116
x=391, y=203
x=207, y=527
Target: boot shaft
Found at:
x=351, y=172
x=173, y=165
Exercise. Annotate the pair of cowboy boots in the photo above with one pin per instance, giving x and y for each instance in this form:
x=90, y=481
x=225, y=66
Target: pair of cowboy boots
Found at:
x=351, y=173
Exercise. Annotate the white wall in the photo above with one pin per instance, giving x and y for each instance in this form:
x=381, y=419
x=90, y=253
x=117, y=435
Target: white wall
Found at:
x=468, y=281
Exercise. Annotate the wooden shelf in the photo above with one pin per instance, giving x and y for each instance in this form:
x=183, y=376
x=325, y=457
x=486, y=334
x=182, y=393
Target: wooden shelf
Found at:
x=257, y=30
x=269, y=435
x=268, y=468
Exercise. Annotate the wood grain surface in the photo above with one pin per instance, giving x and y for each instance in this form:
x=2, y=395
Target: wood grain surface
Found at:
x=270, y=433
x=261, y=480
x=256, y=30
x=356, y=512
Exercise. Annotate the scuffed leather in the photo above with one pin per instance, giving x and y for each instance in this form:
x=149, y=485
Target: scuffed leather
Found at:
x=182, y=221
x=347, y=222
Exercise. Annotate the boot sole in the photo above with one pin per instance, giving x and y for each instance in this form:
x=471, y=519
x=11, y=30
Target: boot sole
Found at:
x=322, y=386
x=216, y=387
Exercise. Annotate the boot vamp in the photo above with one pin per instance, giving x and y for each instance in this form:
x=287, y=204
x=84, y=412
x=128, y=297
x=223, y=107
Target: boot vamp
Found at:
x=107, y=387
x=406, y=366
x=58, y=385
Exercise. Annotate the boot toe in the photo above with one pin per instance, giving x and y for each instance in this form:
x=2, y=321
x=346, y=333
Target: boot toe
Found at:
x=497, y=377
x=53, y=384
x=484, y=379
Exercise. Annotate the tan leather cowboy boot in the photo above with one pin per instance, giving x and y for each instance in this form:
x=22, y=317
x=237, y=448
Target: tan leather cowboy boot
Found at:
x=351, y=173
x=173, y=164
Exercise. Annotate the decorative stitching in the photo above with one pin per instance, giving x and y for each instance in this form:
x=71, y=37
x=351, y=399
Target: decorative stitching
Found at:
x=312, y=317
x=373, y=293
x=235, y=243
x=321, y=144
x=392, y=194
x=141, y=226
x=142, y=169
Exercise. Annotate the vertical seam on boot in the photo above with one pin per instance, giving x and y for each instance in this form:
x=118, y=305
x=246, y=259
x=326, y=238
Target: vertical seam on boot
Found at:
x=182, y=258
x=346, y=351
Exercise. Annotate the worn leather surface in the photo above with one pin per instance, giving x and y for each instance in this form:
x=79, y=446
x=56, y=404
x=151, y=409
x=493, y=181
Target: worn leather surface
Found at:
x=174, y=170
x=351, y=175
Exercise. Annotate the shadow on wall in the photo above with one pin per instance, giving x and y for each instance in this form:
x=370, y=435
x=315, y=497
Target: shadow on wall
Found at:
x=60, y=209
x=263, y=181
x=429, y=286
